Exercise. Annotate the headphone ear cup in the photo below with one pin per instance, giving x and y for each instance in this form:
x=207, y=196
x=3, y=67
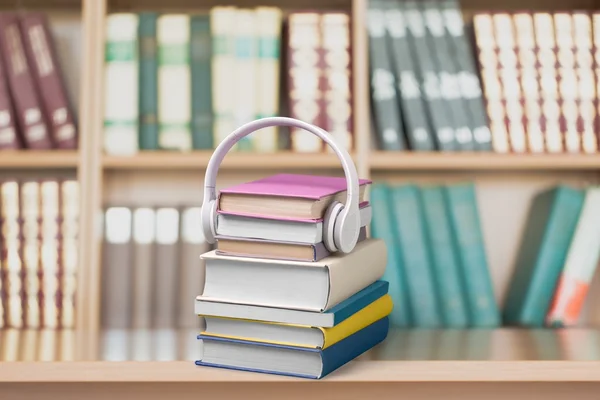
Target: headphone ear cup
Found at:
x=329, y=222
x=209, y=224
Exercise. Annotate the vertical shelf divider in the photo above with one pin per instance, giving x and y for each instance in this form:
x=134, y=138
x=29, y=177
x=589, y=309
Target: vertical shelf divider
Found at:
x=90, y=178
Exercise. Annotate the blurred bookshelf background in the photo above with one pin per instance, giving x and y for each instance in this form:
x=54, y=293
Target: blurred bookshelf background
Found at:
x=466, y=115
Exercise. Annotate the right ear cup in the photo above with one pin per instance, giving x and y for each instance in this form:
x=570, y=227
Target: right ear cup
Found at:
x=331, y=214
x=209, y=223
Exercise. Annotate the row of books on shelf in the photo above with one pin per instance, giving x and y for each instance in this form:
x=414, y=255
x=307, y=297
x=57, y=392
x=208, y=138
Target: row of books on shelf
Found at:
x=438, y=269
x=31, y=345
x=185, y=81
x=38, y=253
x=35, y=109
x=527, y=83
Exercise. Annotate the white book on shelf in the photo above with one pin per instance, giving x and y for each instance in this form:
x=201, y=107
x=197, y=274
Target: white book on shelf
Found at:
x=174, y=82
x=121, y=95
x=144, y=235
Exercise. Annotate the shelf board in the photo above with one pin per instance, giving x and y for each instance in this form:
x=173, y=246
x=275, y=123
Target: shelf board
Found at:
x=32, y=159
x=381, y=161
x=233, y=160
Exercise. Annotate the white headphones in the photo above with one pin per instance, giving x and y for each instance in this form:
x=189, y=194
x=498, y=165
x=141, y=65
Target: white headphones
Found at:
x=342, y=223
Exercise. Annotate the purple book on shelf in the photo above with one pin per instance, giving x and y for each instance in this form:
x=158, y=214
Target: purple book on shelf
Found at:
x=292, y=185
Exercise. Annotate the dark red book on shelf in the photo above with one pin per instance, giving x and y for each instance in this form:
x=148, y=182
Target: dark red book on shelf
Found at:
x=30, y=117
x=9, y=138
x=46, y=72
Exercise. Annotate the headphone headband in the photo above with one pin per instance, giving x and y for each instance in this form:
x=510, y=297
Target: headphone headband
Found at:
x=220, y=152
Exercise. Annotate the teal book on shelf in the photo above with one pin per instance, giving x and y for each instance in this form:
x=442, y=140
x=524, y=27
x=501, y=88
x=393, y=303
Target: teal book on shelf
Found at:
x=382, y=227
x=148, y=78
x=550, y=226
x=444, y=258
x=461, y=201
x=414, y=253
x=200, y=68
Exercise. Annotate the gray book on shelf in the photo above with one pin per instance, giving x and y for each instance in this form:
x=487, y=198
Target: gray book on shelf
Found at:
x=439, y=111
x=116, y=269
x=166, y=268
x=192, y=268
x=415, y=114
x=470, y=85
x=144, y=233
x=384, y=96
x=448, y=73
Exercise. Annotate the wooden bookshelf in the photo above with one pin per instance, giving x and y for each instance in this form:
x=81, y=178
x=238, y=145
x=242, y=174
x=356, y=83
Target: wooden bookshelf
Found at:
x=30, y=159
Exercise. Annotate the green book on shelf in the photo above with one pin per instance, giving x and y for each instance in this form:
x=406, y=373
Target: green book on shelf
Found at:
x=461, y=201
x=200, y=52
x=148, y=76
x=444, y=260
x=549, y=229
x=382, y=227
x=415, y=258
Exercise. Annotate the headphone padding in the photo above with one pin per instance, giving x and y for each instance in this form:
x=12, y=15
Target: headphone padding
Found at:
x=209, y=216
x=329, y=222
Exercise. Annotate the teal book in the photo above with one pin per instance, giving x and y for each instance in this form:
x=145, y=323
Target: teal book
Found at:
x=462, y=208
x=414, y=253
x=200, y=52
x=148, y=81
x=444, y=259
x=550, y=226
x=382, y=227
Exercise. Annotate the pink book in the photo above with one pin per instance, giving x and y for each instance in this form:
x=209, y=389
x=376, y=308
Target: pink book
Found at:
x=292, y=185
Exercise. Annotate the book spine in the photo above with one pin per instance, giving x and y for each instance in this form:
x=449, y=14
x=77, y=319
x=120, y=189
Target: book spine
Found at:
x=415, y=256
x=547, y=70
x=468, y=78
x=384, y=96
x=50, y=254
x=580, y=264
x=509, y=78
x=492, y=89
x=304, y=62
x=526, y=59
x=121, y=97
x=11, y=253
x=200, y=53
x=30, y=116
x=144, y=235
x=567, y=83
x=596, y=73
x=442, y=119
x=9, y=138
x=165, y=279
x=246, y=63
x=415, y=115
x=148, y=81
x=337, y=93
x=586, y=81
x=444, y=259
x=30, y=247
x=174, y=94
x=461, y=203
x=69, y=196
x=447, y=71
x=48, y=76
x=382, y=227
x=269, y=21
x=222, y=23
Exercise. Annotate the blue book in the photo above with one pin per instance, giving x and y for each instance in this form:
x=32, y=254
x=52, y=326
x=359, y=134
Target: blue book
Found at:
x=412, y=241
x=326, y=319
x=461, y=202
x=382, y=227
x=444, y=259
x=288, y=360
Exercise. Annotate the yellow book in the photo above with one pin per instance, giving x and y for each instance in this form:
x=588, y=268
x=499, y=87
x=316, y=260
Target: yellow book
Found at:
x=297, y=335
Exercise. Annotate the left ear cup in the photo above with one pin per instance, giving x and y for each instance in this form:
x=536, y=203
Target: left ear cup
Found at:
x=329, y=222
x=209, y=223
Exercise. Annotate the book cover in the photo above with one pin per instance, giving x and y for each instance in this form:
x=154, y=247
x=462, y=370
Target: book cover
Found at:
x=148, y=81
x=9, y=138
x=144, y=242
x=30, y=204
x=332, y=358
x=51, y=238
x=200, y=59
x=166, y=268
x=11, y=254
x=69, y=213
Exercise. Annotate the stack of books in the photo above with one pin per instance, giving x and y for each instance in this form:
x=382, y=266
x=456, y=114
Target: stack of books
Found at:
x=275, y=300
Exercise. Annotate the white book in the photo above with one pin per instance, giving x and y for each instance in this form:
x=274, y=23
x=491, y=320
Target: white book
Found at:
x=144, y=235
x=174, y=82
x=121, y=95
x=298, y=285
